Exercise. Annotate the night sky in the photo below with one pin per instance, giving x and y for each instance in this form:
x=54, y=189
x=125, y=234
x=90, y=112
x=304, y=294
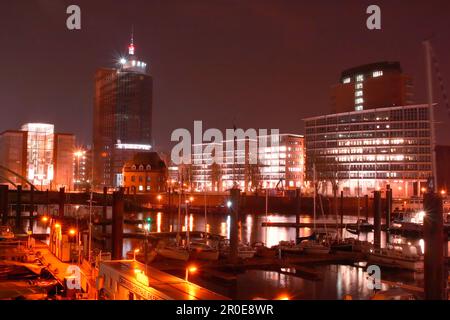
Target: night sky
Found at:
x=258, y=63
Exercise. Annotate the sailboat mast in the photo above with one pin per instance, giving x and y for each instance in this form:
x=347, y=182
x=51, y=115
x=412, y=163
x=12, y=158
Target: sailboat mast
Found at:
x=427, y=46
x=206, y=217
x=314, y=202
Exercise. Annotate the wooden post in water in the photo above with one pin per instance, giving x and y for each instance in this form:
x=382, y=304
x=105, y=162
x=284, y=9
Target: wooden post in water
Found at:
x=435, y=274
x=341, y=209
x=298, y=201
x=117, y=225
x=18, y=209
x=366, y=200
x=4, y=190
x=31, y=204
x=104, y=209
x=47, y=203
x=377, y=219
x=235, y=194
x=62, y=202
x=388, y=211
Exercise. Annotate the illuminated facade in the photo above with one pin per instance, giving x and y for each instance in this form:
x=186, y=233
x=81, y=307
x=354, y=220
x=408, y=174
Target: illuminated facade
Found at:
x=40, y=155
x=40, y=145
x=370, y=149
x=122, y=117
x=146, y=173
x=376, y=85
x=280, y=164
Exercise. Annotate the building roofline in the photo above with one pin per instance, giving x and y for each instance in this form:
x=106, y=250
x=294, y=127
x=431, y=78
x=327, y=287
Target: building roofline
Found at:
x=12, y=131
x=368, y=111
x=381, y=65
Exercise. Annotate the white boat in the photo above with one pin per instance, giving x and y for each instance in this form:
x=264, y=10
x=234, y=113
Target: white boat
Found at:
x=6, y=233
x=176, y=253
x=202, y=251
x=314, y=247
x=359, y=245
x=290, y=247
x=402, y=256
x=140, y=256
x=244, y=251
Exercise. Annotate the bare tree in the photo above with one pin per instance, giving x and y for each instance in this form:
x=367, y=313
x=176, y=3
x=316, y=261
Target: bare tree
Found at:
x=216, y=176
x=253, y=175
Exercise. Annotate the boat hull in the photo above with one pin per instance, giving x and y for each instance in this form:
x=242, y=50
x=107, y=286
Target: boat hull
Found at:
x=395, y=262
x=212, y=255
x=176, y=254
x=316, y=249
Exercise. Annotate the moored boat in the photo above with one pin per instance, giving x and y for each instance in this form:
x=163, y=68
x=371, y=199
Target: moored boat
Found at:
x=290, y=247
x=401, y=256
x=176, y=253
x=314, y=247
x=6, y=233
x=244, y=251
x=202, y=251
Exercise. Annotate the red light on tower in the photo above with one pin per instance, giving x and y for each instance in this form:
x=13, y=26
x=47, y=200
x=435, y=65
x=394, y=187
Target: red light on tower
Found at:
x=131, y=49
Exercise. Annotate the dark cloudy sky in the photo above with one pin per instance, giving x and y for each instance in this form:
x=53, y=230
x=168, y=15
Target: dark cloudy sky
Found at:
x=261, y=63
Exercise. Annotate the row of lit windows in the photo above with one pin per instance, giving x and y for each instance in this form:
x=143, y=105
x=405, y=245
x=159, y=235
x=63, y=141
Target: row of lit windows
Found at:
x=406, y=114
x=360, y=77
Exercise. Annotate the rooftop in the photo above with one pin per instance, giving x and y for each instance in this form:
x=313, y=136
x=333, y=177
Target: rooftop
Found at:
x=166, y=285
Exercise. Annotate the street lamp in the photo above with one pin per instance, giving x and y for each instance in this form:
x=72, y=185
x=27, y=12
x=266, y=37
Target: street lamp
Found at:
x=134, y=253
x=44, y=219
x=72, y=232
x=190, y=269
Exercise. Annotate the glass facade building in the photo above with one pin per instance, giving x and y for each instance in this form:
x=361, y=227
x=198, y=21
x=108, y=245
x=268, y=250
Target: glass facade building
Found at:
x=367, y=150
x=278, y=163
x=122, y=117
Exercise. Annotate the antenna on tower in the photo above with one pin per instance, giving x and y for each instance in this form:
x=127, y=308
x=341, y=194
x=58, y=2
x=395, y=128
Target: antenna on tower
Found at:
x=131, y=48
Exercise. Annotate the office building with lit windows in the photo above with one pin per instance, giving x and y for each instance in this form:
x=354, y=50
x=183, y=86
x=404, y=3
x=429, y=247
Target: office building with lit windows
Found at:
x=279, y=164
x=38, y=154
x=376, y=85
x=82, y=168
x=369, y=149
x=122, y=117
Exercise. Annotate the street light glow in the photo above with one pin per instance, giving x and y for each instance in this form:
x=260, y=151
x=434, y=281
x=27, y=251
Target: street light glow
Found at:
x=229, y=203
x=72, y=232
x=192, y=269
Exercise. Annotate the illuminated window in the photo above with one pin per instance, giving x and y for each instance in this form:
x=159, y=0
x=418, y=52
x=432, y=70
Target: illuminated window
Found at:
x=377, y=74
x=359, y=108
x=359, y=86
x=359, y=101
x=358, y=93
x=360, y=77
x=346, y=80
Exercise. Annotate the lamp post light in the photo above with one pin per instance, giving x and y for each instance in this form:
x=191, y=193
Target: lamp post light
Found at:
x=134, y=253
x=190, y=269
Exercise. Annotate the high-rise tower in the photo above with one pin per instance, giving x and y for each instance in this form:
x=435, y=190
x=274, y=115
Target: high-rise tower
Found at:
x=376, y=85
x=122, y=117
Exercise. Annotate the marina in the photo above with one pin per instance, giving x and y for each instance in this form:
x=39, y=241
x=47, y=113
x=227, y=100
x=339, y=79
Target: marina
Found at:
x=289, y=246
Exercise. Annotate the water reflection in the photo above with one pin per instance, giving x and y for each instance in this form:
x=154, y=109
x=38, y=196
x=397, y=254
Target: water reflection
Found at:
x=337, y=282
